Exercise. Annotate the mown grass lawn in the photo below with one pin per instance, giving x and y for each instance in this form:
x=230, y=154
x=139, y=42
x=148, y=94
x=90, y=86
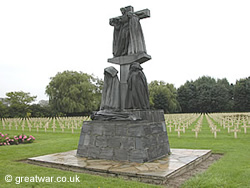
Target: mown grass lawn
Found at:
x=232, y=170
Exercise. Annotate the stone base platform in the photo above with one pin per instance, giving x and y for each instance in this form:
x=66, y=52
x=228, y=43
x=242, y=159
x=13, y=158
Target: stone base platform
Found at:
x=132, y=141
x=139, y=141
x=157, y=172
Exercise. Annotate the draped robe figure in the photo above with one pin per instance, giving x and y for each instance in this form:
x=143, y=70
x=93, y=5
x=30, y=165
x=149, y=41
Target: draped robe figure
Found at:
x=128, y=36
x=137, y=95
x=111, y=90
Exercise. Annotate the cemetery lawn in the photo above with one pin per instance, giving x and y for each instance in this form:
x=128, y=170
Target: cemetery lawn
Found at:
x=232, y=170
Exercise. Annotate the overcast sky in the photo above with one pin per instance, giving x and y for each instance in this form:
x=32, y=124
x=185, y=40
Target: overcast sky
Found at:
x=186, y=39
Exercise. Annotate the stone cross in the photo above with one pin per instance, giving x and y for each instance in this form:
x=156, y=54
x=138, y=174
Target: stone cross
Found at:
x=16, y=125
x=235, y=130
x=184, y=127
x=37, y=128
x=72, y=128
x=23, y=126
x=125, y=61
x=245, y=128
x=62, y=127
x=30, y=126
x=179, y=131
x=46, y=126
x=228, y=127
x=215, y=130
x=196, y=130
x=176, y=124
x=54, y=127
x=170, y=127
x=10, y=125
x=41, y=125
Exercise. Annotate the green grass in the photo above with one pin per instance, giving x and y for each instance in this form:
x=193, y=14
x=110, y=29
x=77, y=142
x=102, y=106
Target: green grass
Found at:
x=47, y=143
x=232, y=170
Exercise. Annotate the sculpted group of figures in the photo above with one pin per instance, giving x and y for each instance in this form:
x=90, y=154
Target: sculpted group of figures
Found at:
x=128, y=40
x=137, y=96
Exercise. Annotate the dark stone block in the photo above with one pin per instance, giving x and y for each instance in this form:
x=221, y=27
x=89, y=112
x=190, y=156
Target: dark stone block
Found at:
x=166, y=149
x=114, y=142
x=86, y=140
x=161, y=138
x=93, y=152
x=146, y=142
x=155, y=128
x=152, y=152
x=138, y=156
x=127, y=143
x=82, y=151
x=81, y=140
x=106, y=153
x=143, y=115
x=147, y=130
x=108, y=129
x=138, y=143
x=86, y=127
x=121, y=130
x=121, y=154
x=152, y=140
x=101, y=141
x=136, y=130
x=97, y=130
x=92, y=141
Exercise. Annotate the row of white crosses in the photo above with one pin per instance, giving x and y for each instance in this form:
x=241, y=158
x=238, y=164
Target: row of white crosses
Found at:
x=240, y=120
x=72, y=123
x=180, y=122
x=197, y=127
x=212, y=126
x=233, y=122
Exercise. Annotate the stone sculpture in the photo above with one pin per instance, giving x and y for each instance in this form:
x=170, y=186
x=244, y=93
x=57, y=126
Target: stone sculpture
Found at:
x=128, y=44
x=137, y=95
x=111, y=89
x=125, y=129
x=128, y=36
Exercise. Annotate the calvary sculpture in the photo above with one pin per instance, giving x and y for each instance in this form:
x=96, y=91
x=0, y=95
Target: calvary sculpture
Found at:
x=125, y=128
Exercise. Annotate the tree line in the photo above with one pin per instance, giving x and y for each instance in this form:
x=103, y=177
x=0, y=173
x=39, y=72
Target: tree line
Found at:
x=74, y=93
x=206, y=95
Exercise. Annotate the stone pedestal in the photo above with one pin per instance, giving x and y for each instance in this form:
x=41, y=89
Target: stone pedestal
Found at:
x=134, y=141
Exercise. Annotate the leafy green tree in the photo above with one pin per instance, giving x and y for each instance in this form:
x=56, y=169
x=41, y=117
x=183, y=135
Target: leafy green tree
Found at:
x=206, y=95
x=19, y=103
x=204, y=87
x=187, y=97
x=74, y=93
x=242, y=95
x=163, y=96
x=222, y=96
x=4, y=112
x=36, y=110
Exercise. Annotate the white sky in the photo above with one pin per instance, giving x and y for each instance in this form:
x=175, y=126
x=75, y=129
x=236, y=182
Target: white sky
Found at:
x=186, y=39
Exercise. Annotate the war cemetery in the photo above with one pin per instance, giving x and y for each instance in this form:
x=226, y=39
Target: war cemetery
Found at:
x=121, y=131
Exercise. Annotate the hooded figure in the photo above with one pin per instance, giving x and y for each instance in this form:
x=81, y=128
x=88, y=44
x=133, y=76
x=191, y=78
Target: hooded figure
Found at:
x=111, y=90
x=137, y=96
